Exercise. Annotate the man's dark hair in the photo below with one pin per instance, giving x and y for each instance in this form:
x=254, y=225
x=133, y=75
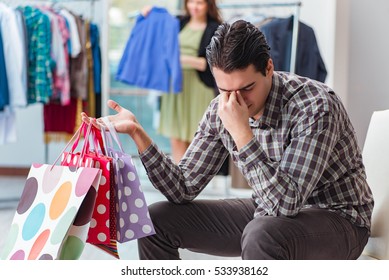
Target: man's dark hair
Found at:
x=236, y=46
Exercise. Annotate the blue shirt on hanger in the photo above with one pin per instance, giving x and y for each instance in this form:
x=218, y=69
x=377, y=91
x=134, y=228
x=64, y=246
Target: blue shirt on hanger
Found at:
x=151, y=58
x=4, y=93
x=96, y=53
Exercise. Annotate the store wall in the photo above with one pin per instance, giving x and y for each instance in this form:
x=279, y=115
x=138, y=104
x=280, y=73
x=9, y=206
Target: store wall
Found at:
x=368, y=61
x=321, y=16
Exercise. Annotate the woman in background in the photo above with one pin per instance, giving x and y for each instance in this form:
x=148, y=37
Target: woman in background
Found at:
x=181, y=113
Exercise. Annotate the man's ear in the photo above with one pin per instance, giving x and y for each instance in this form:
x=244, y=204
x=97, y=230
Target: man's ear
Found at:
x=269, y=67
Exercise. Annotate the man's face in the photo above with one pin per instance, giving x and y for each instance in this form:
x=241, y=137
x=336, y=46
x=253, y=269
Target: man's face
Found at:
x=252, y=85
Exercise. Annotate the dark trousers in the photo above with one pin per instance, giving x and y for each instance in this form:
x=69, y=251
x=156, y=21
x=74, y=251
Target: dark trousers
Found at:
x=227, y=228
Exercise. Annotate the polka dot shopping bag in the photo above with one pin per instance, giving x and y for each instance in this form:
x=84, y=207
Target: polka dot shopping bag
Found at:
x=102, y=228
x=132, y=214
x=51, y=202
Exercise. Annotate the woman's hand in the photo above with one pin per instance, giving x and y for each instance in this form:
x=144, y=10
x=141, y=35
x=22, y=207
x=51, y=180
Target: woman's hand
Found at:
x=198, y=63
x=146, y=10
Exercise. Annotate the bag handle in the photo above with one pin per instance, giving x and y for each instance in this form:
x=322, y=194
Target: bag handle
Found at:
x=104, y=138
x=75, y=138
x=85, y=147
x=82, y=131
x=98, y=141
x=112, y=132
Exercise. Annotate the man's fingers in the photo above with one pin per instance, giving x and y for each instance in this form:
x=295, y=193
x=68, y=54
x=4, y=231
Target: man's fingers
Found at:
x=240, y=99
x=233, y=97
x=114, y=106
x=84, y=117
x=99, y=123
x=223, y=99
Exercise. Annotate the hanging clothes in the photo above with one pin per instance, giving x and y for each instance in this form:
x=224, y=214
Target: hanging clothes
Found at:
x=12, y=70
x=79, y=64
x=96, y=53
x=22, y=29
x=13, y=55
x=50, y=56
x=60, y=56
x=309, y=63
x=74, y=42
x=151, y=58
x=96, y=56
x=60, y=122
x=40, y=77
x=90, y=85
x=4, y=93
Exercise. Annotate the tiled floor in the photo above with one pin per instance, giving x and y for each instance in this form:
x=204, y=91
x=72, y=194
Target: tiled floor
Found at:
x=12, y=187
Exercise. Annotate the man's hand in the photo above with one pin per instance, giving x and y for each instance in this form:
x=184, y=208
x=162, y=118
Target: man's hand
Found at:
x=124, y=121
x=234, y=115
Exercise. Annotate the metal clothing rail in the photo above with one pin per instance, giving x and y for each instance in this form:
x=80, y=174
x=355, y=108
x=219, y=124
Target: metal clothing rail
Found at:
x=92, y=3
x=53, y=2
x=296, y=17
x=46, y=1
x=258, y=5
x=64, y=1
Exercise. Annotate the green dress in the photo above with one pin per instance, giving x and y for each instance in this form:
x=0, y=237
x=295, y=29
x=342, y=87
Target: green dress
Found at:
x=181, y=113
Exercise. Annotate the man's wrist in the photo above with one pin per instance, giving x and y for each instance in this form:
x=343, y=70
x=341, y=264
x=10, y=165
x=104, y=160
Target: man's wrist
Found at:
x=243, y=139
x=141, y=139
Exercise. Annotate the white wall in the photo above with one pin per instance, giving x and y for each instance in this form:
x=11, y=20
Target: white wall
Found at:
x=321, y=16
x=354, y=47
x=368, y=61
x=340, y=62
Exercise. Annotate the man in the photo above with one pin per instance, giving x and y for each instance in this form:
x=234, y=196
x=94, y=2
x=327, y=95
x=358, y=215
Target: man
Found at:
x=294, y=143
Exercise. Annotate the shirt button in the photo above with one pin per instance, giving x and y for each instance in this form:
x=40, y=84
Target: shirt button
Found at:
x=243, y=158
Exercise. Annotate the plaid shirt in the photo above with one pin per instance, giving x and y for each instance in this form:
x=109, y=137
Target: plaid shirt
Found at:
x=303, y=154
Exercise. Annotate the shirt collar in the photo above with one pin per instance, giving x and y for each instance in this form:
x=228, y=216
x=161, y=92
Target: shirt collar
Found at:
x=273, y=104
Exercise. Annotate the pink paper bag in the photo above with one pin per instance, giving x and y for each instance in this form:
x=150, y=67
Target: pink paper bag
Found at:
x=50, y=201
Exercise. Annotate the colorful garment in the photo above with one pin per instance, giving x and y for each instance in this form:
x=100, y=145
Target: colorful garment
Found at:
x=40, y=78
x=151, y=58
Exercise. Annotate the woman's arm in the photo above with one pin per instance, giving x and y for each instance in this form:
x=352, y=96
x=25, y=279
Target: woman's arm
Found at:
x=198, y=63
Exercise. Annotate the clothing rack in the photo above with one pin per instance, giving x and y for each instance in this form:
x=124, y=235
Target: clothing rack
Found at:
x=296, y=17
x=47, y=1
x=67, y=1
x=101, y=9
x=54, y=2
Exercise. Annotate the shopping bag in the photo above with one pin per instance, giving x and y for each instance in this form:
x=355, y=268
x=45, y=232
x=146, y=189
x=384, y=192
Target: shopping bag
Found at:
x=132, y=214
x=51, y=199
x=105, y=202
x=102, y=228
